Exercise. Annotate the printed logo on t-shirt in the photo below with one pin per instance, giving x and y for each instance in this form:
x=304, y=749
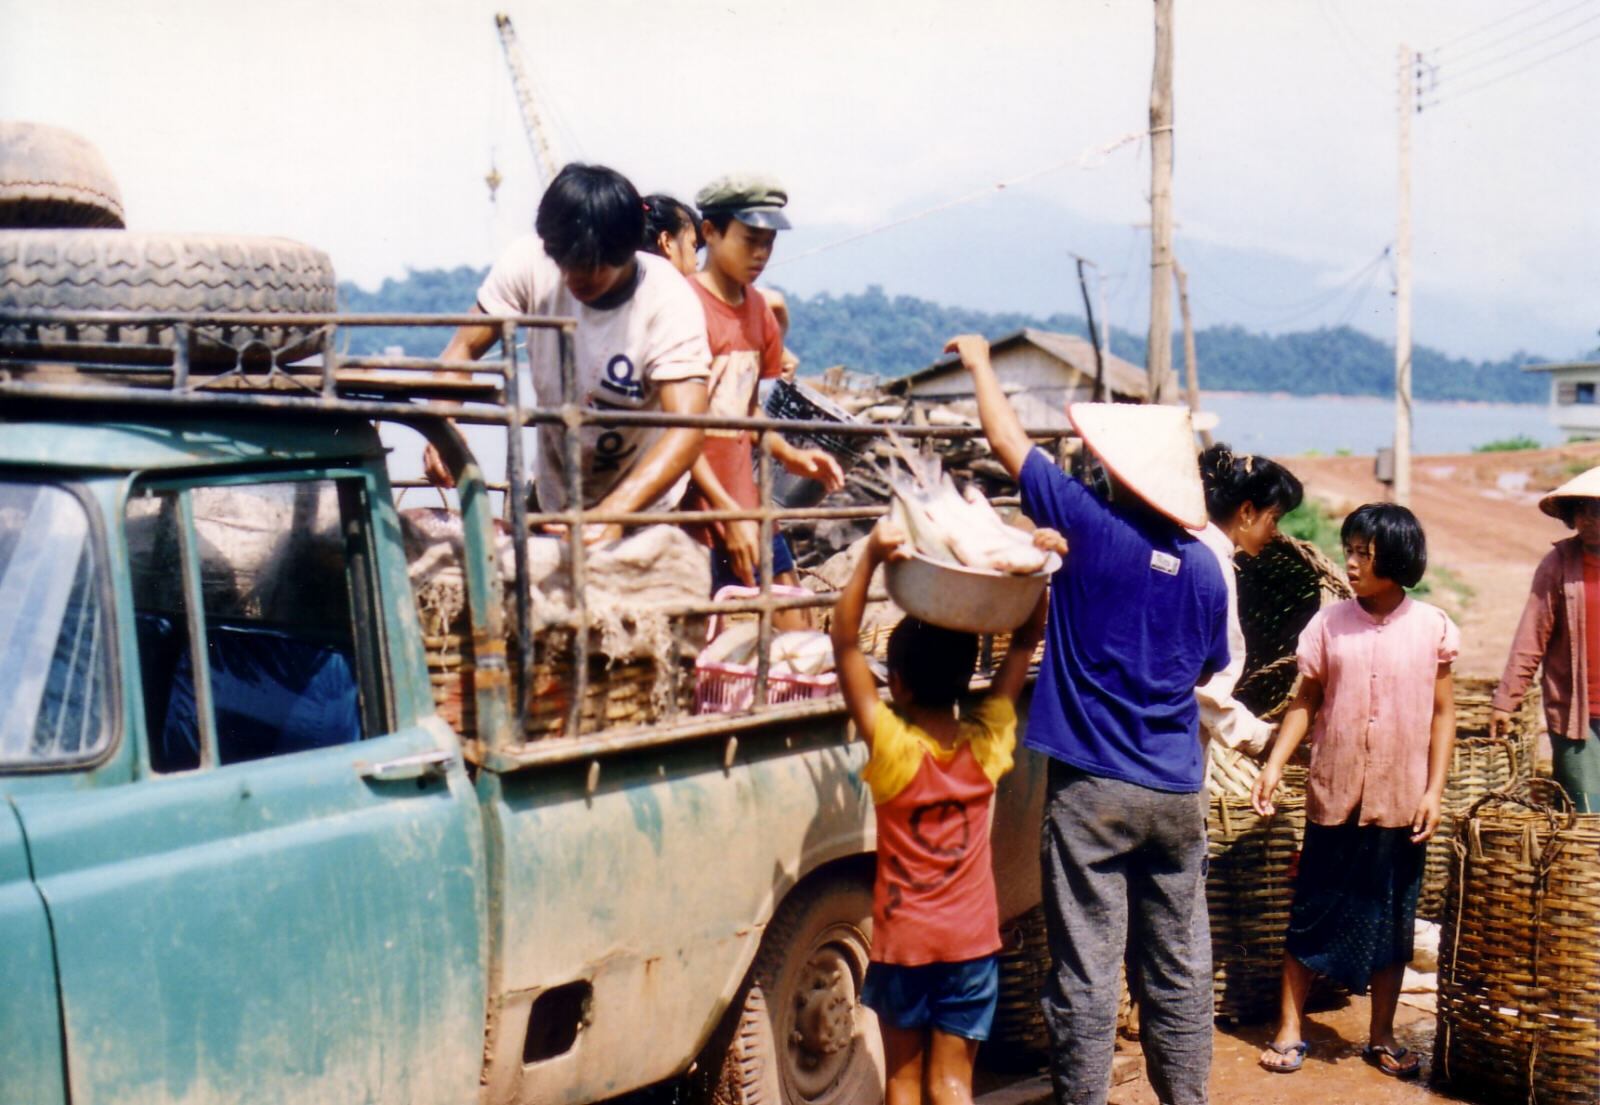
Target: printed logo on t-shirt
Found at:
x=1164, y=562
x=612, y=452
x=943, y=829
x=619, y=378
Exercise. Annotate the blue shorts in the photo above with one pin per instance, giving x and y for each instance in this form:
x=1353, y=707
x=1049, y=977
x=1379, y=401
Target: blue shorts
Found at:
x=722, y=568
x=956, y=998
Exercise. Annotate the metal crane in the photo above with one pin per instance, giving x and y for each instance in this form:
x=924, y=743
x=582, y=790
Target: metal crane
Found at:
x=543, y=158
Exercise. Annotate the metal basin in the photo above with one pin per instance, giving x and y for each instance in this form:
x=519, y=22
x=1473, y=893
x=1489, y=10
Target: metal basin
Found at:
x=958, y=597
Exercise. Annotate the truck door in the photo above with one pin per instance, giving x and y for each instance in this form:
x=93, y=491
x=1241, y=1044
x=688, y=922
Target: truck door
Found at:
x=285, y=903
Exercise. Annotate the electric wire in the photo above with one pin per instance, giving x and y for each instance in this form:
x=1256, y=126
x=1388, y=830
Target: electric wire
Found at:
x=1456, y=94
x=1451, y=74
x=1524, y=29
x=1289, y=311
x=1463, y=36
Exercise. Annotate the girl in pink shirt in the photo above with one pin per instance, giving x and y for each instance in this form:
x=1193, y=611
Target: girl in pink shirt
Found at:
x=1376, y=697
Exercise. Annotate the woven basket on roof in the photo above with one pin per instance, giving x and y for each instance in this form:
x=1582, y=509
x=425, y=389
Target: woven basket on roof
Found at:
x=1519, y=959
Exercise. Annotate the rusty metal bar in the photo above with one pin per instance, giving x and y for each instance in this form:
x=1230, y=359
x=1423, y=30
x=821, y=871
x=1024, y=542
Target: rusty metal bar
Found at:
x=572, y=447
x=180, y=358
x=517, y=504
x=330, y=362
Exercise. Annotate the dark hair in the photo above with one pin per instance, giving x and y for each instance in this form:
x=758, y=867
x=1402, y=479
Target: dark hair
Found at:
x=590, y=216
x=1399, y=548
x=934, y=663
x=1231, y=481
x=1567, y=508
x=718, y=217
x=665, y=215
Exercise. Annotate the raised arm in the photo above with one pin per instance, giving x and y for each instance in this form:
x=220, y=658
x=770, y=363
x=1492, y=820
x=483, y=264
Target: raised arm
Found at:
x=1012, y=674
x=1000, y=423
x=856, y=682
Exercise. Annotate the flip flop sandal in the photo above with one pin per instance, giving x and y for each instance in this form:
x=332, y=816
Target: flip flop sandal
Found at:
x=1297, y=1049
x=1374, y=1053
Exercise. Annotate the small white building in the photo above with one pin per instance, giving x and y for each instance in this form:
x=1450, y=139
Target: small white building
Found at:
x=1040, y=370
x=1574, y=396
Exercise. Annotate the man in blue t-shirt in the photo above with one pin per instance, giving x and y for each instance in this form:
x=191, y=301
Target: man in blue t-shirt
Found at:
x=1138, y=617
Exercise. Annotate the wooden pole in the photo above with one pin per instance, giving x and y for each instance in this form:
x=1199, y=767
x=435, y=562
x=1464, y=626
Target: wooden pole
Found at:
x=1191, y=370
x=1158, y=355
x=1402, y=301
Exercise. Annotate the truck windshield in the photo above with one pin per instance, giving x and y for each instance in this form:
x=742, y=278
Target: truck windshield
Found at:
x=54, y=660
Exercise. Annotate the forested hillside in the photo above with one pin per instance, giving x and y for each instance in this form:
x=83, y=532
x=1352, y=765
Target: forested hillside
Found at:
x=873, y=333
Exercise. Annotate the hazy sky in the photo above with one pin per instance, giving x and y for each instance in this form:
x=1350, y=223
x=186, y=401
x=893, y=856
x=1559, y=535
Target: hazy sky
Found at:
x=366, y=128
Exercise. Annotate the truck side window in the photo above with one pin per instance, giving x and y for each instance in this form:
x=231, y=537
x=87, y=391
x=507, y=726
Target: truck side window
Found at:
x=278, y=565
x=55, y=658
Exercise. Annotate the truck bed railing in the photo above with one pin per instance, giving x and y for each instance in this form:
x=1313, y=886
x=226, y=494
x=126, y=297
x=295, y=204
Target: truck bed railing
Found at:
x=416, y=391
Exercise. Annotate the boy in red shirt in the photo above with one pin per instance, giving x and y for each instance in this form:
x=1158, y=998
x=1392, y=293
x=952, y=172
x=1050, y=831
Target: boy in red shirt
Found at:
x=934, y=976
x=742, y=214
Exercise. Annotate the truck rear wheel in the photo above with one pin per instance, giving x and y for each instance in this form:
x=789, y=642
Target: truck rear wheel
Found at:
x=803, y=1037
x=122, y=270
x=50, y=177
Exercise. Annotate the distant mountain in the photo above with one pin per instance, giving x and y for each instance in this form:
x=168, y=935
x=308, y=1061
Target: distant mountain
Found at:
x=873, y=333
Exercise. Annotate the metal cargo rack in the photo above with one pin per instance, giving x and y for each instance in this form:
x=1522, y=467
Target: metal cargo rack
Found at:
x=428, y=395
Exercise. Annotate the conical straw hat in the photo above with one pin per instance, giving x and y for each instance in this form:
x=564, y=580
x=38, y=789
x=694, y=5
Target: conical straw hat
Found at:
x=1586, y=485
x=1149, y=449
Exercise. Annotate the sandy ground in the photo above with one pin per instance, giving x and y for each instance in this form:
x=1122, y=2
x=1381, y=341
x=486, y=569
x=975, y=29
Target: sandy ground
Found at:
x=1483, y=524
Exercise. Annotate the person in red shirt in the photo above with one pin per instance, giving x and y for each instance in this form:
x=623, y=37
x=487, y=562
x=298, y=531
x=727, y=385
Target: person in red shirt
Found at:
x=741, y=216
x=934, y=977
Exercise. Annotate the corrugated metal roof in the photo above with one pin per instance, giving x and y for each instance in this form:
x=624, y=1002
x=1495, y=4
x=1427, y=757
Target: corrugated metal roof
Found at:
x=1123, y=378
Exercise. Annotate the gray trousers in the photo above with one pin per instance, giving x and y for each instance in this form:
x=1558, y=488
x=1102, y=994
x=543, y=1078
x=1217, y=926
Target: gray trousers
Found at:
x=1124, y=874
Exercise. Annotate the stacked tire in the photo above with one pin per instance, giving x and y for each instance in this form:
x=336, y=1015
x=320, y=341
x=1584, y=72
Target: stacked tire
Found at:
x=62, y=248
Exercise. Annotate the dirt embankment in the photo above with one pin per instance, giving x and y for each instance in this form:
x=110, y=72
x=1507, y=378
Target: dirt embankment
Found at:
x=1481, y=514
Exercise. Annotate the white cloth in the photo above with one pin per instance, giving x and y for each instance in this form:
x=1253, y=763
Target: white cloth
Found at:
x=1222, y=716
x=623, y=356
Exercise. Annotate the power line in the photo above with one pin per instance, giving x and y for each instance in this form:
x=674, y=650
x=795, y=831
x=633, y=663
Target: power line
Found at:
x=1489, y=63
x=1463, y=36
x=1513, y=34
x=1460, y=92
x=1290, y=311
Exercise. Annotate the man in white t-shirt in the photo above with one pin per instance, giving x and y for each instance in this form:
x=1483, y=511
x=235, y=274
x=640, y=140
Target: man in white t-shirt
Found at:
x=640, y=343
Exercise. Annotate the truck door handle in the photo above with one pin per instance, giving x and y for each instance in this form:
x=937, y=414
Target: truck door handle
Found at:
x=435, y=762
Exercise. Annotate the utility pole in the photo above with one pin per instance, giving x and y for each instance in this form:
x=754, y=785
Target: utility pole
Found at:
x=1402, y=301
x=1191, y=369
x=1099, y=392
x=1158, y=354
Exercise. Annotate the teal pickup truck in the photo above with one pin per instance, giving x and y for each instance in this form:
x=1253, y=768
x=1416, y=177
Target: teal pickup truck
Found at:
x=242, y=858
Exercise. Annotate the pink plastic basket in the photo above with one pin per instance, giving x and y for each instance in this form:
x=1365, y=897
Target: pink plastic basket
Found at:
x=726, y=688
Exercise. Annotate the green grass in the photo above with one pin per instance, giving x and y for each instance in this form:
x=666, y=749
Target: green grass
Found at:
x=1507, y=445
x=1443, y=579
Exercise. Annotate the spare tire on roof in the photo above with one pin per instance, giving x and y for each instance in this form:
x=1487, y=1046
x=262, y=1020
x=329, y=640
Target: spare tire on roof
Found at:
x=50, y=177
x=119, y=270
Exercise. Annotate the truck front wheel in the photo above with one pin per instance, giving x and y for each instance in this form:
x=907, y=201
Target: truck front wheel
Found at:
x=803, y=1037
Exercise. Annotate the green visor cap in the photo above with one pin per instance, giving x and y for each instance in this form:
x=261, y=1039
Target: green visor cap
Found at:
x=752, y=198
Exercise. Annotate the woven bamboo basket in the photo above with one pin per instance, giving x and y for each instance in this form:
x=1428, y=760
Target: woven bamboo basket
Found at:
x=1519, y=959
x=1473, y=694
x=1249, y=889
x=1478, y=765
x=619, y=693
x=1019, y=1030
x=1279, y=591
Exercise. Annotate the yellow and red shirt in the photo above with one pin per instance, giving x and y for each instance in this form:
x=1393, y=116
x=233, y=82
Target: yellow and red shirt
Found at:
x=934, y=898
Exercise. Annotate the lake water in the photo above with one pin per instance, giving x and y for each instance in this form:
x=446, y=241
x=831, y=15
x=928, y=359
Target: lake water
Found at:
x=1285, y=425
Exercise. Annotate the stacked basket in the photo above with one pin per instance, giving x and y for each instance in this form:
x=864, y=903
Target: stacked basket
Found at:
x=1019, y=1031
x=1519, y=962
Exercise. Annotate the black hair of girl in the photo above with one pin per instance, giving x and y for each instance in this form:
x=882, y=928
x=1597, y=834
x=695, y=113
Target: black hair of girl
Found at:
x=590, y=216
x=666, y=215
x=1399, y=547
x=933, y=662
x=1231, y=481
